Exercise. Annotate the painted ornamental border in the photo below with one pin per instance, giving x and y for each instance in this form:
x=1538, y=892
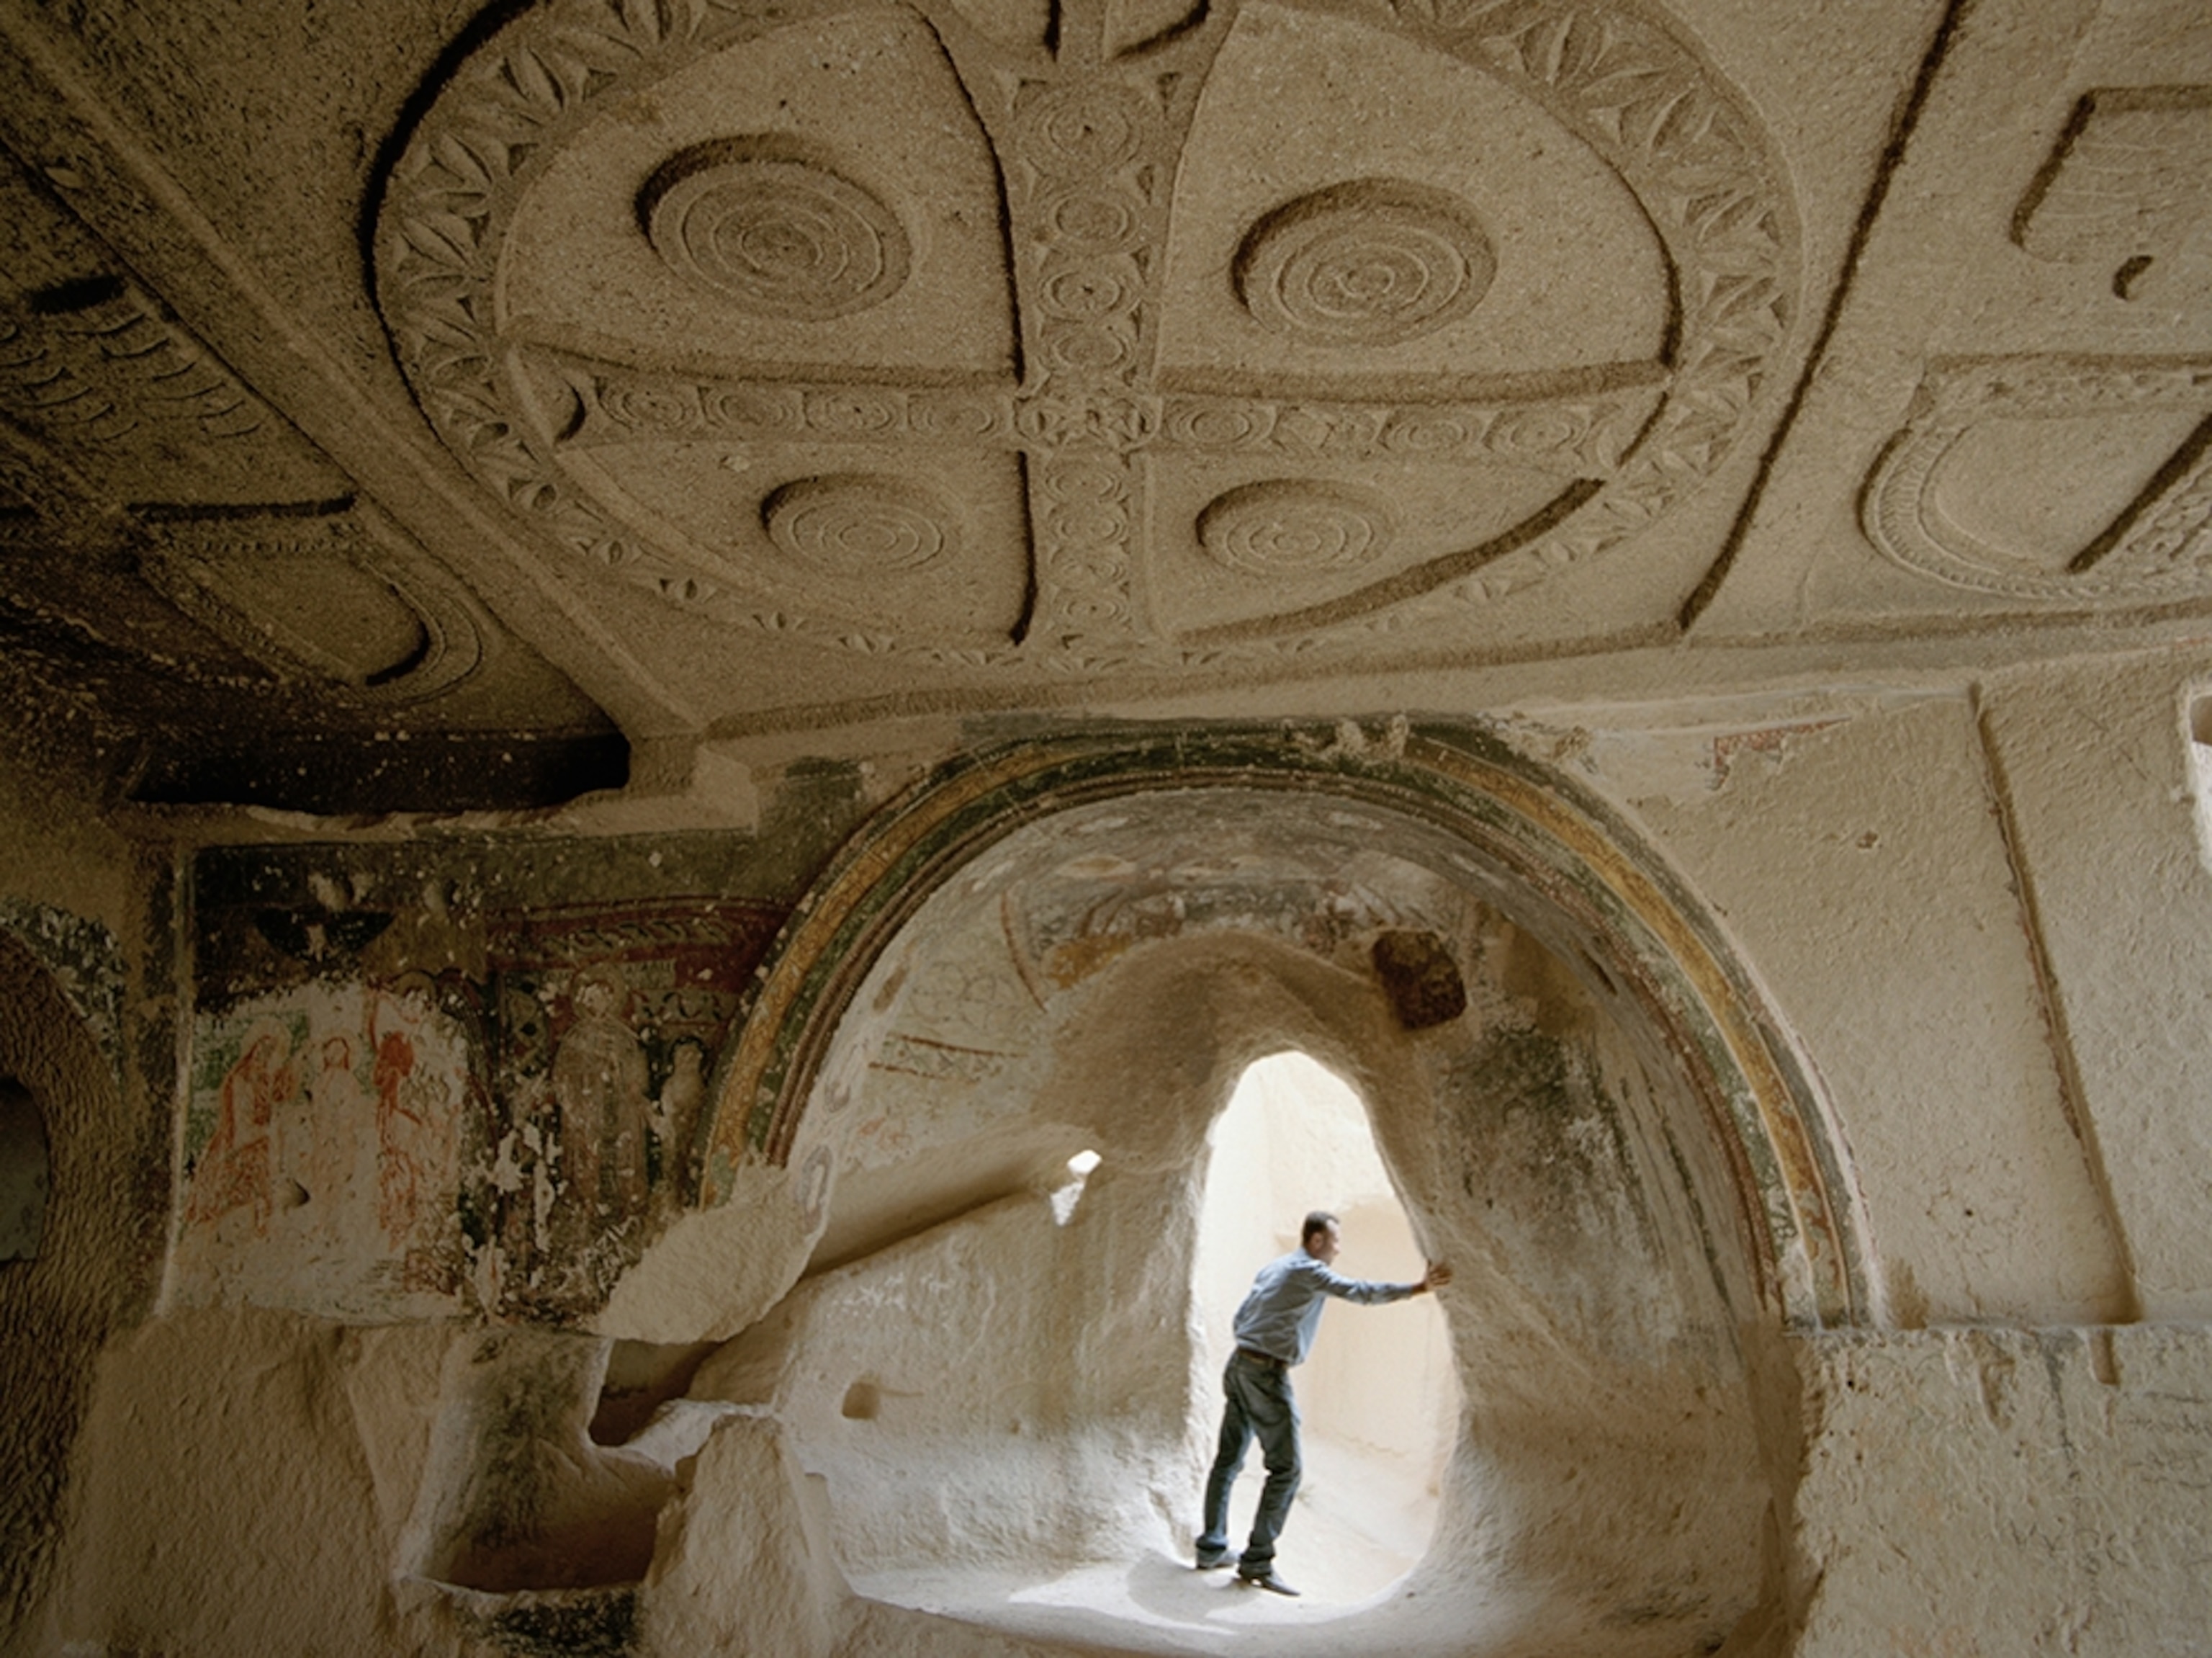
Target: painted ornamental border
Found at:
x=1561, y=845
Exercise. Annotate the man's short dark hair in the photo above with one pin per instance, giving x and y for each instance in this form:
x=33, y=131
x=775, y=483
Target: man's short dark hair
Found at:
x=1320, y=1221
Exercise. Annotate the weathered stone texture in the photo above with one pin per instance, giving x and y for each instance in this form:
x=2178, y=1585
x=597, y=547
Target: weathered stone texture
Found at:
x=1992, y=1491
x=1862, y=860
x=684, y=682
x=2097, y=771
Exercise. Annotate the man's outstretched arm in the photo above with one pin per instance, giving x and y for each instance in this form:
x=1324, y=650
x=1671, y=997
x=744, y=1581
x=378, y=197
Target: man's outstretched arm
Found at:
x=1373, y=1294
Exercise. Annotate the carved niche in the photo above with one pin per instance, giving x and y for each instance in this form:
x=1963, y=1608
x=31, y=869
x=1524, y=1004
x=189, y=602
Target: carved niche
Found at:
x=2060, y=478
x=2128, y=184
x=1028, y=337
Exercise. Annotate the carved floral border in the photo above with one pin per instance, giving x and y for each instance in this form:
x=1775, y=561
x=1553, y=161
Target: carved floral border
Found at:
x=1688, y=145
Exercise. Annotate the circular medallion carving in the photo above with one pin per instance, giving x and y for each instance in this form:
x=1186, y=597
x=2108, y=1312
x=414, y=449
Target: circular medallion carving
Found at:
x=1087, y=128
x=1294, y=528
x=861, y=523
x=1368, y=263
x=1095, y=223
x=765, y=223
x=780, y=229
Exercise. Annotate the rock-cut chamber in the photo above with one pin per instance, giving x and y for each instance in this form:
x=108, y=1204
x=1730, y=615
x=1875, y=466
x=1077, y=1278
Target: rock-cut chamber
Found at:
x=998, y=1369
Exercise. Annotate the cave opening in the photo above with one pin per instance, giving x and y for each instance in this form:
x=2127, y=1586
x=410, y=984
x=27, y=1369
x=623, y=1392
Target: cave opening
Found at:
x=1379, y=1396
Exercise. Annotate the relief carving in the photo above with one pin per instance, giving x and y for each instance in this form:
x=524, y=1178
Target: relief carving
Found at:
x=324, y=599
x=1576, y=434
x=769, y=225
x=853, y=524
x=2129, y=181
x=140, y=410
x=1295, y=528
x=2127, y=440
x=1371, y=262
x=1088, y=122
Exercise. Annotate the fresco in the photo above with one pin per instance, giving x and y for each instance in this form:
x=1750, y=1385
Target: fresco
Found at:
x=325, y=1139
x=86, y=960
x=608, y=1021
x=502, y=1136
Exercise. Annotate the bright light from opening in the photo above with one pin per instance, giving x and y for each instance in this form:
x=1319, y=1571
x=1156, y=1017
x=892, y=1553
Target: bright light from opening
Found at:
x=1068, y=1194
x=1378, y=1397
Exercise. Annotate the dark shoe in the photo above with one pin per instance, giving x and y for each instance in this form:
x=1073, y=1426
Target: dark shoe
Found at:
x=1268, y=1581
x=1209, y=1559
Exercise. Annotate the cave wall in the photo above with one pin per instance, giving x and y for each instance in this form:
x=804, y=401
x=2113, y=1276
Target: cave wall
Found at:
x=1987, y=913
x=84, y=1022
x=1987, y=935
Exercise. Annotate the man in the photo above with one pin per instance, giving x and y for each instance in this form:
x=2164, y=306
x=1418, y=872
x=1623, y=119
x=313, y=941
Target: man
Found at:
x=1274, y=1331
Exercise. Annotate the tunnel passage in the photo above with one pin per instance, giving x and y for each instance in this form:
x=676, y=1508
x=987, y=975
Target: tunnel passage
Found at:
x=26, y=1172
x=1379, y=1403
x=1603, y=1140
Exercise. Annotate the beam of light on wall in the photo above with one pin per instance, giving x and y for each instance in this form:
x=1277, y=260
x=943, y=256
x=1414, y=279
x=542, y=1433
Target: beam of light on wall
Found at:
x=2200, y=772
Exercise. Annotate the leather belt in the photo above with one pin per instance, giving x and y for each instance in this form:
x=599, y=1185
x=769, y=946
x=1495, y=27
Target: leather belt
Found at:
x=1259, y=1357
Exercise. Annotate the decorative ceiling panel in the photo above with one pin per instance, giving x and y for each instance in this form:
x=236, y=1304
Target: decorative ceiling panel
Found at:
x=1109, y=336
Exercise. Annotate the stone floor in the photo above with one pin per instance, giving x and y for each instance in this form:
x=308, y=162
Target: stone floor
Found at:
x=1360, y=1524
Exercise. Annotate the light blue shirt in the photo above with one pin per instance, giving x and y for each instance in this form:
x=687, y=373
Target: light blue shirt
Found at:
x=1280, y=1315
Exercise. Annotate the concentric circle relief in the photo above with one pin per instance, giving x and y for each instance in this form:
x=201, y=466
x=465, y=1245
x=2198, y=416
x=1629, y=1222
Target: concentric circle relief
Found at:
x=1083, y=129
x=1294, y=527
x=768, y=224
x=1371, y=262
x=790, y=230
x=856, y=524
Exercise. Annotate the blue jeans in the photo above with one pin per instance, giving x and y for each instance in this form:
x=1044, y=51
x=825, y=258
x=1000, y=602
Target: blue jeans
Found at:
x=1259, y=1401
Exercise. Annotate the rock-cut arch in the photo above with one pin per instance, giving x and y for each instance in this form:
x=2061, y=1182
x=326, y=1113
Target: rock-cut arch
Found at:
x=1526, y=839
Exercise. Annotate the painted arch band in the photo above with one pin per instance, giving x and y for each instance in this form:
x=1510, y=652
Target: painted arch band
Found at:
x=1557, y=846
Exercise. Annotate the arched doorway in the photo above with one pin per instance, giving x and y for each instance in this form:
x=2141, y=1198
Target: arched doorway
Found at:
x=1081, y=946
x=1379, y=1400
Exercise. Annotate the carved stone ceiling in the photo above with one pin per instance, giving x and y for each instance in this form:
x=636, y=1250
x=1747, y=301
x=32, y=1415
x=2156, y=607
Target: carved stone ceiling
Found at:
x=720, y=364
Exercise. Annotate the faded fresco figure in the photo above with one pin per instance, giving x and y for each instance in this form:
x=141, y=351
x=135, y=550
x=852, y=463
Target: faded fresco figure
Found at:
x=292, y=1137
x=339, y=1113
x=676, y=1121
x=235, y=1168
x=600, y=1082
x=398, y=1176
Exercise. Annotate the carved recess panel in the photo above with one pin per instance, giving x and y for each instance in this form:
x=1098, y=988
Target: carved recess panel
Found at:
x=125, y=399
x=339, y=603
x=2049, y=477
x=117, y=395
x=1009, y=335
x=2125, y=185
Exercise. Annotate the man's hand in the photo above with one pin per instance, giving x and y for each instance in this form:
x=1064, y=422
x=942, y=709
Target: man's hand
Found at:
x=1439, y=1274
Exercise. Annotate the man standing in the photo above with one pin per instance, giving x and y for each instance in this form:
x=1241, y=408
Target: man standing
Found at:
x=1274, y=1331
